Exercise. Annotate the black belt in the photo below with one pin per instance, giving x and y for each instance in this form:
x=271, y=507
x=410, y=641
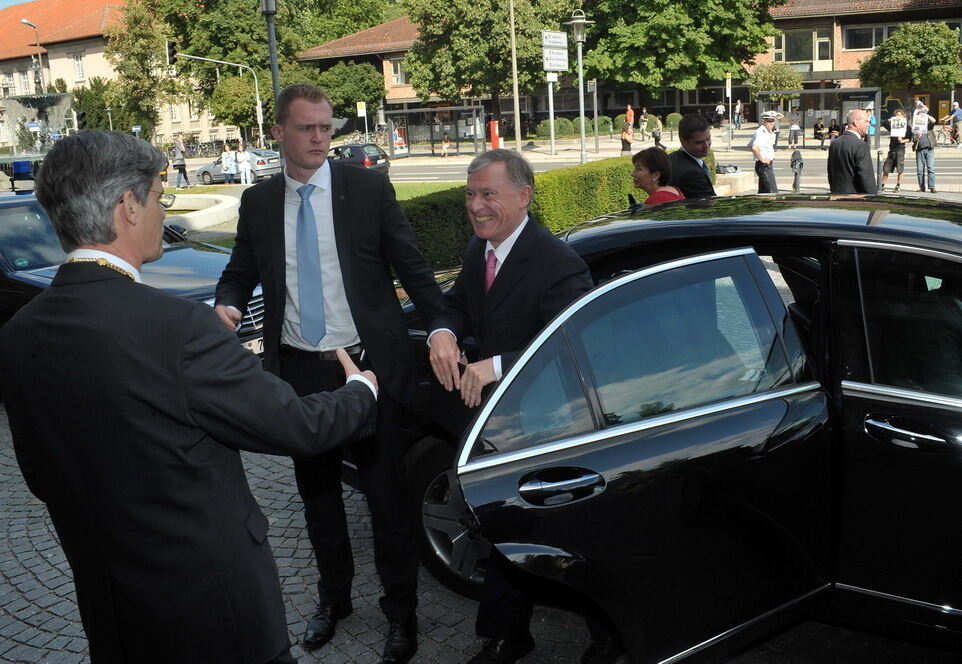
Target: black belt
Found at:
x=323, y=355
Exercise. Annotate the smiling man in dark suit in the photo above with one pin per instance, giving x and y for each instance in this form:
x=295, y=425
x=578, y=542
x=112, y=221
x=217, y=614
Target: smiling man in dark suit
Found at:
x=689, y=172
x=323, y=239
x=128, y=408
x=516, y=277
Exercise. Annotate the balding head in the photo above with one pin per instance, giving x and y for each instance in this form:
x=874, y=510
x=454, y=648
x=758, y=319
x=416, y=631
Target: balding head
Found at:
x=858, y=121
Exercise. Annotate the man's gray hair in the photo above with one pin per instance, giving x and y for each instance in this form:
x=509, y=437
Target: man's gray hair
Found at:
x=84, y=176
x=518, y=168
x=855, y=112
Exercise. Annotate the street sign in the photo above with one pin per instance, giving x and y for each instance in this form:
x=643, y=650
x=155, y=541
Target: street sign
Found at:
x=136, y=129
x=554, y=59
x=33, y=126
x=362, y=109
x=554, y=39
x=56, y=136
x=728, y=86
x=592, y=82
x=551, y=77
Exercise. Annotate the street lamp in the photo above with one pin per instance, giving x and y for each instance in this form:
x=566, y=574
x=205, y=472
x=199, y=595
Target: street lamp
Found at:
x=110, y=118
x=269, y=10
x=578, y=24
x=36, y=31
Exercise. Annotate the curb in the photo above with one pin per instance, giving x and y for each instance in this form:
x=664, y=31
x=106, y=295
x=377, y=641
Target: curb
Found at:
x=210, y=210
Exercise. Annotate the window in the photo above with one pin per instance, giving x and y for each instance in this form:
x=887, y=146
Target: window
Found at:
x=25, y=88
x=174, y=111
x=677, y=340
x=28, y=239
x=804, y=46
x=546, y=402
x=867, y=36
x=913, y=317
x=823, y=44
x=399, y=74
x=6, y=85
x=193, y=108
x=78, y=67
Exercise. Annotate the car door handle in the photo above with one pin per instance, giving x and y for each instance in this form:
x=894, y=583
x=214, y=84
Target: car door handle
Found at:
x=884, y=430
x=557, y=491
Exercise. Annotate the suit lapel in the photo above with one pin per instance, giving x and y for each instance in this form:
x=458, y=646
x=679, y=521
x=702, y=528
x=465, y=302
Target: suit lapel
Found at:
x=274, y=236
x=513, y=270
x=473, y=279
x=340, y=186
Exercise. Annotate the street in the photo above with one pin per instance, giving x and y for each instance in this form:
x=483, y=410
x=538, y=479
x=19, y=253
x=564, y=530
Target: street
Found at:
x=39, y=622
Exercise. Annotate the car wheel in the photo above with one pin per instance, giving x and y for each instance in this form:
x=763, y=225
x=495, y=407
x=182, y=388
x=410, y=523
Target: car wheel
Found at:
x=449, y=550
x=207, y=177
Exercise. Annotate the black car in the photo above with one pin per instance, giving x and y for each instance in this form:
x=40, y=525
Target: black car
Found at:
x=755, y=416
x=367, y=155
x=30, y=254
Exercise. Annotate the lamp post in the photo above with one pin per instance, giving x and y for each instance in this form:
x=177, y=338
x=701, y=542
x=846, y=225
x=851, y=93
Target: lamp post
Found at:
x=36, y=31
x=269, y=10
x=514, y=78
x=110, y=118
x=578, y=24
x=257, y=88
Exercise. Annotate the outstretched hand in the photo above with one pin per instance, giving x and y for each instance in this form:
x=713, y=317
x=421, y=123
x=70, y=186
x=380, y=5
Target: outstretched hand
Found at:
x=351, y=369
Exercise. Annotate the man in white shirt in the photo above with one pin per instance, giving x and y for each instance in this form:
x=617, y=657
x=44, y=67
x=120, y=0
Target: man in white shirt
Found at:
x=762, y=144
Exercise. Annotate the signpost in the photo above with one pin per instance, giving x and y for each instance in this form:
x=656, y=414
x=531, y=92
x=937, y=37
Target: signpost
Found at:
x=362, y=113
x=554, y=57
x=136, y=129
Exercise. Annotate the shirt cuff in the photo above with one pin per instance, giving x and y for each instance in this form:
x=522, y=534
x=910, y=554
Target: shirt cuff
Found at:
x=238, y=326
x=496, y=361
x=442, y=329
x=361, y=379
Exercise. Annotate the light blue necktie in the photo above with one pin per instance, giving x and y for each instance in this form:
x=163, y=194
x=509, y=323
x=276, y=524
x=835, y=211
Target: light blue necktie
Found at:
x=309, y=286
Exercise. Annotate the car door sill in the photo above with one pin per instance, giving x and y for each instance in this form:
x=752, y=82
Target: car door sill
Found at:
x=727, y=634
x=948, y=610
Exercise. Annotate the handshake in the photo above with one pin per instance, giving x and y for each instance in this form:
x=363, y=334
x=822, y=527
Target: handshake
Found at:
x=231, y=318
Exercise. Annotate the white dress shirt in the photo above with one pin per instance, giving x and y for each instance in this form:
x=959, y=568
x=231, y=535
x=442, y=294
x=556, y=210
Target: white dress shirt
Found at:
x=117, y=261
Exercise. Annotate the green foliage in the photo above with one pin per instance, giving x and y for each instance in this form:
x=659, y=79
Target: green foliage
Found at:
x=672, y=120
x=319, y=21
x=464, y=46
x=347, y=83
x=917, y=55
x=26, y=139
x=604, y=124
x=620, y=121
x=565, y=128
x=661, y=44
x=441, y=225
x=567, y=196
x=774, y=76
x=92, y=100
x=233, y=101
x=58, y=85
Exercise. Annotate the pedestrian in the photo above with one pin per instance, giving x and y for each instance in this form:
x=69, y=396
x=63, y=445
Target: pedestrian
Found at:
x=228, y=163
x=819, y=132
x=834, y=131
x=794, y=129
x=179, y=162
x=445, y=144
x=244, y=163
x=630, y=116
x=626, y=137
x=719, y=113
x=136, y=451
x=737, y=114
x=656, y=132
x=872, y=126
x=326, y=239
x=923, y=142
x=850, y=168
x=895, y=159
x=954, y=118
x=651, y=173
x=762, y=145
x=689, y=171
x=643, y=123
x=516, y=277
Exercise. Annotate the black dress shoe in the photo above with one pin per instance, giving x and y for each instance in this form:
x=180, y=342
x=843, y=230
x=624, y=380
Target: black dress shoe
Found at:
x=606, y=651
x=402, y=641
x=504, y=651
x=320, y=628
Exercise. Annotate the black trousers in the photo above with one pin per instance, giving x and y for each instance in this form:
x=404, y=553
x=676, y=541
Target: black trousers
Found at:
x=766, y=178
x=381, y=473
x=507, y=604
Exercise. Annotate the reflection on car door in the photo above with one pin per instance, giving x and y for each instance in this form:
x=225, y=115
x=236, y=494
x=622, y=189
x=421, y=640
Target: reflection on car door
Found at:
x=660, y=449
x=901, y=311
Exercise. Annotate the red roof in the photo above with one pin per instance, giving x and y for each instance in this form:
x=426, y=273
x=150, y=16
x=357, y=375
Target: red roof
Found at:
x=397, y=35
x=797, y=8
x=57, y=21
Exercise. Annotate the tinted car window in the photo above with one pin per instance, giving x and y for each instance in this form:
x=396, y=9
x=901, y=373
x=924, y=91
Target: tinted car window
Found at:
x=27, y=238
x=679, y=339
x=546, y=402
x=373, y=151
x=912, y=307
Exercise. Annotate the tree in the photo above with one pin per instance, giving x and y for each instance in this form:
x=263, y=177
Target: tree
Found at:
x=464, y=46
x=676, y=43
x=347, y=83
x=92, y=100
x=917, y=55
x=775, y=76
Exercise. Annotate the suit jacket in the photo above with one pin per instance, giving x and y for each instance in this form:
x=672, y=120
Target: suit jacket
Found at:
x=850, y=166
x=128, y=408
x=688, y=176
x=540, y=277
x=372, y=236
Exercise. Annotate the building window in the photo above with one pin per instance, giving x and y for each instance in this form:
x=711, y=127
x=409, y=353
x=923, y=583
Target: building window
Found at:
x=78, y=67
x=6, y=85
x=803, y=47
x=778, y=51
x=867, y=37
x=194, y=109
x=823, y=44
x=174, y=111
x=25, y=88
x=399, y=75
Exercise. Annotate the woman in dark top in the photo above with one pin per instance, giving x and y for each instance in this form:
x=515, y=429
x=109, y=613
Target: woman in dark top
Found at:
x=627, y=135
x=652, y=172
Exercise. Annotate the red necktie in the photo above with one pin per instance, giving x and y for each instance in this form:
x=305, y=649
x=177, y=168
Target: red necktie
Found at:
x=489, y=270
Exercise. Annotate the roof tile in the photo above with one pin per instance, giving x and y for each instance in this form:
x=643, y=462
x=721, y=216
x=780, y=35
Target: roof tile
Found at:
x=397, y=35
x=57, y=21
x=796, y=8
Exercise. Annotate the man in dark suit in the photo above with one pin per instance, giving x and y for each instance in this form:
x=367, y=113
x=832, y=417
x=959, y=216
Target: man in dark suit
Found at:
x=128, y=408
x=689, y=172
x=323, y=238
x=850, y=168
x=516, y=277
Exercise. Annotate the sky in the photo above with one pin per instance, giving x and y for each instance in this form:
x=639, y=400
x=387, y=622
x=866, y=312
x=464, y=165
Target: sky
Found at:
x=7, y=3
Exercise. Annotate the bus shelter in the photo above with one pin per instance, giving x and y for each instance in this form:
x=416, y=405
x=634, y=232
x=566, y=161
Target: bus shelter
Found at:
x=435, y=131
x=828, y=104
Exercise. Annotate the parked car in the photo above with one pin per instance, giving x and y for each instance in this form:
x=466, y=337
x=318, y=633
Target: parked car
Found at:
x=755, y=416
x=264, y=163
x=367, y=155
x=30, y=254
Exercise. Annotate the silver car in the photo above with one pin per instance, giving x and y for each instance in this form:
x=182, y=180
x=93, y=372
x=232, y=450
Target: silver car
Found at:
x=264, y=163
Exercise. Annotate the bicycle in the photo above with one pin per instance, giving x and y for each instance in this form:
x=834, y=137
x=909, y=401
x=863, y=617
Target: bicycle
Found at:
x=946, y=135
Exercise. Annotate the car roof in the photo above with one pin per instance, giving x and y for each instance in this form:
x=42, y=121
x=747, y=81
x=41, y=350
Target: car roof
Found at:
x=920, y=222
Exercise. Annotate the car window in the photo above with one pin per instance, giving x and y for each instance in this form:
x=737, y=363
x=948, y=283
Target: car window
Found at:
x=373, y=151
x=27, y=238
x=679, y=339
x=912, y=308
x=546, y=402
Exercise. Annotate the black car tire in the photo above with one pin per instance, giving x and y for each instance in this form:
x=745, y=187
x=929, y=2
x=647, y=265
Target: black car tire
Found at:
x=453, y=554
x=207, y=177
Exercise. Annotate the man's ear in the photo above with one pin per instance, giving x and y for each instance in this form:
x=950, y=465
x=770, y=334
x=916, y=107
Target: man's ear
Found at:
x=129, y=207
x=277, y=132
x=526, y=195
